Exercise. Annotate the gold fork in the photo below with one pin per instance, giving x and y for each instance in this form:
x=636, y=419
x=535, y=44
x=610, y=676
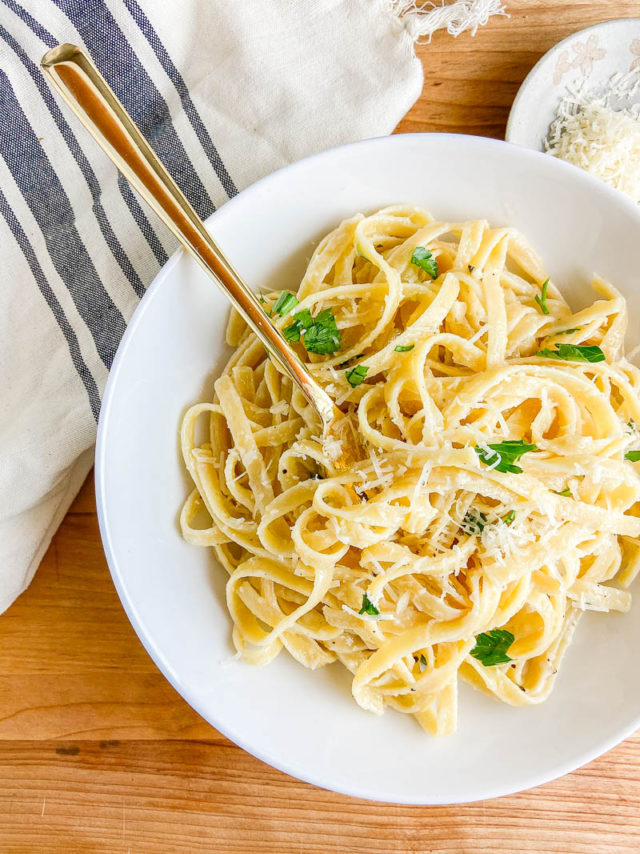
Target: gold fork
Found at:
x=86, y=91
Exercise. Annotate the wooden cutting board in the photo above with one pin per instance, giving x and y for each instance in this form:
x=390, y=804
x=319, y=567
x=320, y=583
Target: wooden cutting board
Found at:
x=99, y=754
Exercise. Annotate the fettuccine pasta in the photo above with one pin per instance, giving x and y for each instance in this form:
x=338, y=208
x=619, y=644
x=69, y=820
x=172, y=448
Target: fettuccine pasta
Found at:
x=496, y=496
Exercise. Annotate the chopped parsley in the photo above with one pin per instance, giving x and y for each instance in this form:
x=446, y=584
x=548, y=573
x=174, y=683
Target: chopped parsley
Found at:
x=568, y=331
x=509, y=518
x=632, y=456
x=368, y=607
x=566, y=493
x=508, y=452
x=262, y=300
x=356, y=375
x=404, y=348
x=573, y=353
x=321, y=335
x=474, y=523
x=285, y=303
x=541, y=298
x=422, y=663
x=491, y=647
x=301, y=322
x=422, y=258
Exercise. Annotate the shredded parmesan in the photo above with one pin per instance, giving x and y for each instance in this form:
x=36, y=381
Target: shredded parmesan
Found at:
x=280, y=408
x=332, y=448
x=591, y=133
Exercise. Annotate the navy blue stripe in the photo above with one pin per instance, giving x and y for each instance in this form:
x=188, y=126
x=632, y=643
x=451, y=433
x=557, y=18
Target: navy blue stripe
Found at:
x=85, y=167
x=128, y=78
x=37, y=28
x=141, y=219
x=58, y=312
x=50, y=205
x=129, y=199
x=181, y=87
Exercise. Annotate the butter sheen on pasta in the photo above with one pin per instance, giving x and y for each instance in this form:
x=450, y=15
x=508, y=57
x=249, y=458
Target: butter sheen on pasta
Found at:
x=303, y=544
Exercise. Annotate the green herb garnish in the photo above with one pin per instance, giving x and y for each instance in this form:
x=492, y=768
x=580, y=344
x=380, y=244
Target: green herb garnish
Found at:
x=422, y=663
x=573, y=353
x=292, y=333
x=474, y=523
x=509, y=453
x=356, y=375
x=301, y=322
x=567, y=331
x=541, y=299
x=632, y=456
x=368, y=607
x=509, y=518
x=262, y=300
x=566, y=493
x=491, y=647
x=404, y=348
x=323, y=336
x=286, y=301
x=422, y=258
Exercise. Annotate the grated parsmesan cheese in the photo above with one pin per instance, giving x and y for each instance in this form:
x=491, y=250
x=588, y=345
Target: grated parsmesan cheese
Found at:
x=592, y=134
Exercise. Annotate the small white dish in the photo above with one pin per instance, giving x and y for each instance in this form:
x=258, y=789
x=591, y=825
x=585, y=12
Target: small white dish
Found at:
x=306, y=723
x=586, y=59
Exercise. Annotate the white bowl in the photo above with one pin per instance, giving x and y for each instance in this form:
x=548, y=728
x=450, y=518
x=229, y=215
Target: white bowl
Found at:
x=302, y=722
x=584, y=60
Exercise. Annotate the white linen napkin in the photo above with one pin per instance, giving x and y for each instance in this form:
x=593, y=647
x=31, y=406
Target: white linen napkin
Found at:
x=226, y=92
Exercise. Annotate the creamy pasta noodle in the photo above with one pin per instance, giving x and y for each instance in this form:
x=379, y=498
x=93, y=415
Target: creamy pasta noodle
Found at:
x=497, y=494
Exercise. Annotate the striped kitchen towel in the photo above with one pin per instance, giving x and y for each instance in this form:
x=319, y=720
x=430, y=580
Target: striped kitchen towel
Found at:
x=225, y=92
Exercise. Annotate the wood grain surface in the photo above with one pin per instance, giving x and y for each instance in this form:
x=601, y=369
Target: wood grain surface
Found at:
x=99, y=754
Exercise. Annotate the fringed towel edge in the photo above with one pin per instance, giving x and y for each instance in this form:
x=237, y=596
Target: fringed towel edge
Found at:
x=422, y=20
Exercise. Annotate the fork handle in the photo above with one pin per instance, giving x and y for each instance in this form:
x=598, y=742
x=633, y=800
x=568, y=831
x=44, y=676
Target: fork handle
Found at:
x=88, y=94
